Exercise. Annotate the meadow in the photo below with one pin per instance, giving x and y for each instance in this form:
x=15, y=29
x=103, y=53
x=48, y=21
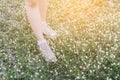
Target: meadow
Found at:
x=87, y=46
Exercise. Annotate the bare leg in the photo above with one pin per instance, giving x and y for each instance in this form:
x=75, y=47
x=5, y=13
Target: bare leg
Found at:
x=43, y=9
x=33, y=13
x=47, y=30
x=32, y=9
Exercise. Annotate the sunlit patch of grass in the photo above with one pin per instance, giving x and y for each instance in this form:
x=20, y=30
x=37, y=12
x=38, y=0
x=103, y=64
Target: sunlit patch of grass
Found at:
x=87, y=47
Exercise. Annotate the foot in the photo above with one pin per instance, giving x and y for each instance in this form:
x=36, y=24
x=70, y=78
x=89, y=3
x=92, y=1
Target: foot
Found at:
x=47, y=31
x=47, y=52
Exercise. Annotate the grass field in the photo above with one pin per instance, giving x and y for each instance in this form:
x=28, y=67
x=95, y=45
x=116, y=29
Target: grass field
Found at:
x=87, y=46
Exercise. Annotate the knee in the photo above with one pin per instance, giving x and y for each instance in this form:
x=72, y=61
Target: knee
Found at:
x=31, y=3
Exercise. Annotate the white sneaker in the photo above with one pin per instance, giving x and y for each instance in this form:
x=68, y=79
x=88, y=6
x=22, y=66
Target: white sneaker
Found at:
x=47, y=31
x=47, y=52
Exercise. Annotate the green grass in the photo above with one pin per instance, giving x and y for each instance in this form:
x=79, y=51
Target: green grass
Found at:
x=87, y=47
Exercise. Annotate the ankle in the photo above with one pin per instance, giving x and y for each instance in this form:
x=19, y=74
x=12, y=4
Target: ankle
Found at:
x=42, y=41
x=43, y=22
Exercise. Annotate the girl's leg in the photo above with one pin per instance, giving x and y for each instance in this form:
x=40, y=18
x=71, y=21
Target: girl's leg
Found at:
x=47, y=30
x=43, y=10
x=33, y=13
x=32, y=9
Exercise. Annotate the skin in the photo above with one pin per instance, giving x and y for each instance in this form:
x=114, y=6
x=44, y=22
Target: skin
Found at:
x=36, y=12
